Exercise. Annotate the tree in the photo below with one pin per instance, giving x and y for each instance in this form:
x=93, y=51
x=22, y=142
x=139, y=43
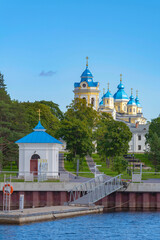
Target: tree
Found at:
x=154, y=150
x=48, y=120
x=112, y=138
x=54, y=108
x=154, y=128
x=120, y=164
x=77, y=128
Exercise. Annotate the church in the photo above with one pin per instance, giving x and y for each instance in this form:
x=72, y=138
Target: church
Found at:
x=119, y=105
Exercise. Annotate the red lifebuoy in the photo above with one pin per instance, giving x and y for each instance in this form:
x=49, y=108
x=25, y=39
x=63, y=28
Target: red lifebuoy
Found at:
x=6, y=192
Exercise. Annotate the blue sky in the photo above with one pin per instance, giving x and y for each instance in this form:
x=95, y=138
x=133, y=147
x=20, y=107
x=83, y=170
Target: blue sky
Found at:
x=54, y=37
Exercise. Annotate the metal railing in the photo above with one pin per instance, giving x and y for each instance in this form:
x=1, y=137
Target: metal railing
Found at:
x=95, y=189
x=35, y=176
x=82, y=189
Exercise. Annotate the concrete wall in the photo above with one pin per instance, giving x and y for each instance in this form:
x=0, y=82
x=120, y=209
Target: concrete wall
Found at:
x=138, y=196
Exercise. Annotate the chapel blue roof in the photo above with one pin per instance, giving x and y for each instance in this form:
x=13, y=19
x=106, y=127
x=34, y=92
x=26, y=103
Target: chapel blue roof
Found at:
x=131, y=101
x=120, y=94
x=39, y=126
x=88, y=78
x=108, y=94
x=38, y=136
x=137, y=102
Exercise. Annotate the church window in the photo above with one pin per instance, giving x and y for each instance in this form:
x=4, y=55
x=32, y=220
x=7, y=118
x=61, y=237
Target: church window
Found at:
x=133, y=109
x=92, y=101
x=124, y=108
x=139, y=137
x=118, y=108
x=130, y=110
x=139, y=147
x=84, y=98
x=84, y=85
x=107, y=101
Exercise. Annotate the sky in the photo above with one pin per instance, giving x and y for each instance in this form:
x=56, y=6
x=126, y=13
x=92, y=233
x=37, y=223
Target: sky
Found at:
x=44, y=43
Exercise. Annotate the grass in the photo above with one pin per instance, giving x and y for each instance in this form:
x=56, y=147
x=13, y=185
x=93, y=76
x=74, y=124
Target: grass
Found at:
x=84, y=170
x=144, y=158
x=108, y=171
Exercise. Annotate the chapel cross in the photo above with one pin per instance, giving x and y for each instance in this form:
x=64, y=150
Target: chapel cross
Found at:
x=39, y=113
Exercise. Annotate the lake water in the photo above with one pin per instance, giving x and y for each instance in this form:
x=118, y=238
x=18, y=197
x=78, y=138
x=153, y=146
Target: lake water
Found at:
x=116, y=226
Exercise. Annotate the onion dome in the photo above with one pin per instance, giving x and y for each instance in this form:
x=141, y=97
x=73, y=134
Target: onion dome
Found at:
x=108, y=94
x=86, y=73
x=137, y=100
x=101, y=102
x=120, y=94
x=131, y=99
x=87, y=77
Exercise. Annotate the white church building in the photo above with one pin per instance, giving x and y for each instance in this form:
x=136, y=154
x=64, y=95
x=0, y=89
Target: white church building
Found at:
x=39, y=152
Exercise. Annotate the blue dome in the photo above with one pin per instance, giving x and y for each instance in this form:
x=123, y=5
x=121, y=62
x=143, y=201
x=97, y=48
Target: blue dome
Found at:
x=137, y=102
x=86, y=73
x=39, y=127
x=88, y=78
x=120, y=94
x=120, y=86
x=108, y=95
x=101, y=102
x=131, y=101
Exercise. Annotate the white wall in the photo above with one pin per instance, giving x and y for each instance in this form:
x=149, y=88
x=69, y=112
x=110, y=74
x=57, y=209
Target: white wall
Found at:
x=49, y=151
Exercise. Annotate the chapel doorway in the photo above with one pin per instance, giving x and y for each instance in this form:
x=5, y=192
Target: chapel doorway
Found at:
x=34, y=164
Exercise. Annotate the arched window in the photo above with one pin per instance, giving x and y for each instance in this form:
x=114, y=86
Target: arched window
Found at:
x=133, y=109
x=130, y=109
x=92, y=101
x=118, y=108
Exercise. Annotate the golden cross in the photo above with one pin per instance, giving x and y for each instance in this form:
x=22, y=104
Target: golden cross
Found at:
x=137, y=93
x=87, y=61
x=131, y=91
x=103, y=91
x=108, y=85
x=121, y=77
x=39, y=113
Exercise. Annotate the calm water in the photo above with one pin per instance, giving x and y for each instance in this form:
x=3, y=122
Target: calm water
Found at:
x=123, y=226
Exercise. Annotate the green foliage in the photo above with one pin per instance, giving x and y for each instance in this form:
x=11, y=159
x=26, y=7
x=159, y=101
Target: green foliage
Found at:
x=154, y=128
x=154, y=152
x=112, y=137
x=48, y=120
x=18, y=119
x=54, y=108
x=153, y=139
x=77, y=127
x=119, y=164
